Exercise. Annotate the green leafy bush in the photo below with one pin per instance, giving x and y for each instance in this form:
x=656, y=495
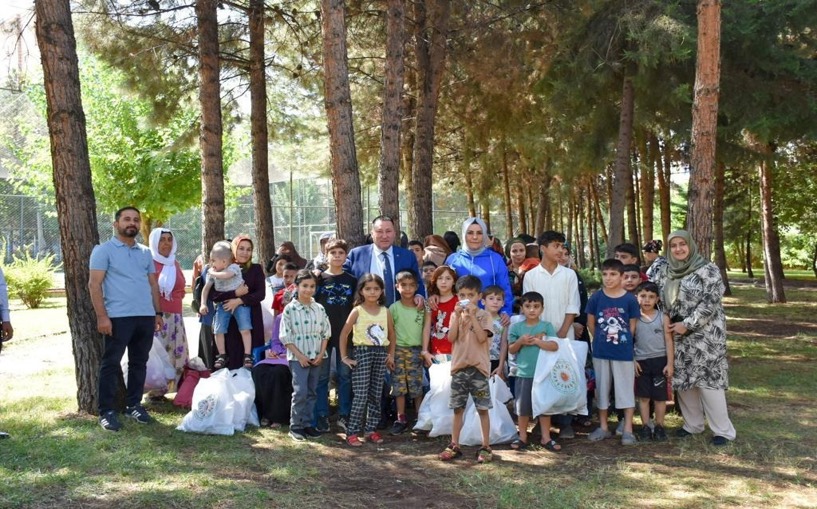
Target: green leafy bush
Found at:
x=30, y=278
x=592, y=278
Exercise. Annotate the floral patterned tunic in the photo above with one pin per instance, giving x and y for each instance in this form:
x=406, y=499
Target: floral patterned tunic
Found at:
x=700, y=354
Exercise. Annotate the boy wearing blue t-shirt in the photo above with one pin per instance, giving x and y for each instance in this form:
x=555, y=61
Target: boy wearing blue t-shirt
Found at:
x=612, y=314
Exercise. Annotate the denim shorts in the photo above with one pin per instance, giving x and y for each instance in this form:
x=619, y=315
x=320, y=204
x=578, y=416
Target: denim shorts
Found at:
x=222, y=320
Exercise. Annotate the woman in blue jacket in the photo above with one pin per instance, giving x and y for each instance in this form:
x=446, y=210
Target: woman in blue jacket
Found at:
x=475, y=258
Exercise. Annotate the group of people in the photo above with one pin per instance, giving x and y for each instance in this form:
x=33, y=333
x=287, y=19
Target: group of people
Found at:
x=384, y=314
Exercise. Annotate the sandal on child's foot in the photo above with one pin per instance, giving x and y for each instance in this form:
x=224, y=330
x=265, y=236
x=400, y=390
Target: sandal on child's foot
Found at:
x=248, y=361
x=552, y=446
x=451, y=452
x=354, y=441
x=519, y=445
x=221, y=361
x=485, y=455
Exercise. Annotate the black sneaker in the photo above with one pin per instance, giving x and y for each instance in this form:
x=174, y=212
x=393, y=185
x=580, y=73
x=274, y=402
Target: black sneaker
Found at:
x=3, y=435
x=682, y=433
x=343, y=421
x=323, y=424
x=398, y=427
x=109, y=422
x=297, y=434
x=645, y=433
x=660, y=434
x=311, y=432
x=138, y=414
x=718, y=441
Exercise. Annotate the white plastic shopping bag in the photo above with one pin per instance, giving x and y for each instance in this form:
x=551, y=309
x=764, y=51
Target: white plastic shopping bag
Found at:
x=434, y=415
x=159, y=369
x=502, y=430
x=559, y=384
x=244, y=398
x=213, y=406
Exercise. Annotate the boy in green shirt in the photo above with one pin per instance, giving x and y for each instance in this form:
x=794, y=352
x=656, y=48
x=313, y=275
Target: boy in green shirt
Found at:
x=410, y=326
x=525, y=339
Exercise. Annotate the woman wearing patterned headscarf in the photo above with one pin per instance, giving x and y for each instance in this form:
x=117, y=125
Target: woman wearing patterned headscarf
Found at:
x=250, y=294
x=171, y=293
x=692, y=297
x=655, y=263
x=476, y=258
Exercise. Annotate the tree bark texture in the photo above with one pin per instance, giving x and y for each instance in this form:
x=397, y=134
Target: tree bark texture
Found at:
x=664, y=183
x=631, y=197
x=431, y=39
x=719, y=252
x=521, y=210
x=622, y=174
x=76, y=206
x=772, y=265
x=264, y=226
x=543, y=213
x=389, y=169
x=704, y=125
x=407, y=137
x=338, y=103
x=506, y=189
x=648, y=188
x=212, y=162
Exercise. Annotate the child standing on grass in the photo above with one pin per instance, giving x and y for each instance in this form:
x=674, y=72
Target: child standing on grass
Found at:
x=336, y=293
x=410, y=326
x=525, y=339
x=436, y=344
x=305, y=331
x=493, y=300
x=654, y=353
x=470, y=335
x=372, y=332
x=612, y=314
x=225, y=275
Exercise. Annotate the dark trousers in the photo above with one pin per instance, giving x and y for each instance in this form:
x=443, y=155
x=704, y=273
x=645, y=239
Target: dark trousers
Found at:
x=136, y=334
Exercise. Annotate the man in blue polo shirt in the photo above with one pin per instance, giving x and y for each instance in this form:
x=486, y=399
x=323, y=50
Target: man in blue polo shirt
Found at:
x=125, y=295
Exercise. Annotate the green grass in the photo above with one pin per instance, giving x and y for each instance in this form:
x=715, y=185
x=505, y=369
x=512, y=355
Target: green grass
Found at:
x=58, y=458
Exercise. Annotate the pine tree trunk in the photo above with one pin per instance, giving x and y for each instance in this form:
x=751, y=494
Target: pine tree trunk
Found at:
x=486, y=214
x=648, y=189
x=532, y=207
x=664, y=191
x=521, y=210
x=717, y=219
x=622, y=180
x=469, y=178
x=704, y=126
x=632, y=205
x=338, y=103
x=212, y=164
x=506, y=188
x=389, y=170
x=543, y=214
x=597, y=208
x=407, y=137
x=264, y=226
x=772, y=265
x=749, y=272
x=72, y=179
x=431, y=40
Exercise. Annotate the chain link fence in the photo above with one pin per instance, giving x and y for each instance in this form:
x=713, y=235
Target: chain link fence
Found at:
x=302, y=212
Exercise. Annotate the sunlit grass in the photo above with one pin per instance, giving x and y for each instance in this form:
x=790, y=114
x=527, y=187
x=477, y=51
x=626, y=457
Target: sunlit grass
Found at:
x=57, y=458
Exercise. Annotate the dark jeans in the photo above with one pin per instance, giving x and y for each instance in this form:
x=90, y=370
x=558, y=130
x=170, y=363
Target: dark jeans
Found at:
x=344, y=386
x=136, y=334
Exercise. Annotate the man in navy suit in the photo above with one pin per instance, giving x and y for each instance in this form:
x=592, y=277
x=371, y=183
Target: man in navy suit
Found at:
x=383, y=258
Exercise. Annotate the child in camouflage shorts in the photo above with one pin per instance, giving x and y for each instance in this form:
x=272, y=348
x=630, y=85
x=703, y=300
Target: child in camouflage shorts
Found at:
x=470, y=335
x=410, y=324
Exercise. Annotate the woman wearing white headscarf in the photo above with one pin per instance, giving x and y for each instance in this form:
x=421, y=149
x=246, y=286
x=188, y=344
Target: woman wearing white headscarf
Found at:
x=475, y=258
x=692, y=297
x=171, y=292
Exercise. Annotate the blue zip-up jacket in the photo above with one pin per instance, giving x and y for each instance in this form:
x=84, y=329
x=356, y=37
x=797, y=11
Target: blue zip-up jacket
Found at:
x=489, y=266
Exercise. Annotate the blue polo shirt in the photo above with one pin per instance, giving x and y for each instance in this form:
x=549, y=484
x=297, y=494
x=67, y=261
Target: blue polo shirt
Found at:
x=126, y=287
